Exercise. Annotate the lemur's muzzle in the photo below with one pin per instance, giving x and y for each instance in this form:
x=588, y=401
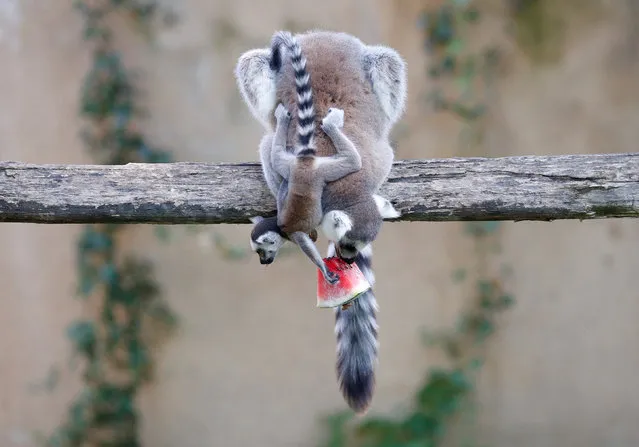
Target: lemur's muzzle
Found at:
x=345, y=253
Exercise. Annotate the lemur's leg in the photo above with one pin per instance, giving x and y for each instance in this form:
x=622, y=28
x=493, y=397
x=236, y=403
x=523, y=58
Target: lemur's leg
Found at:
x=282, y=194
x=280, y=157
x=308, y=247
x=275, y=182
x=347, y=160
x=273, y=179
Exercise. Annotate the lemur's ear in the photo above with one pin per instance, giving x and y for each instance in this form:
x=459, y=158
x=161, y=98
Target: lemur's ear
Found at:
x=256, y=82
x=256, y=219
x=386, y=71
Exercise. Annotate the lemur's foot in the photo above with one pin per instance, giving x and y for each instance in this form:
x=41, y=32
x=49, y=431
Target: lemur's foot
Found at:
x=282, y=113
x=334, y=118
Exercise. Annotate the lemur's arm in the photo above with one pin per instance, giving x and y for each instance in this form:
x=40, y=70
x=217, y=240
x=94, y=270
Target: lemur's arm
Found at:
x=308, y=247
x=281, y=196
x=281, y=159
x=347, y=160
x=273, y=179
x=305, y=241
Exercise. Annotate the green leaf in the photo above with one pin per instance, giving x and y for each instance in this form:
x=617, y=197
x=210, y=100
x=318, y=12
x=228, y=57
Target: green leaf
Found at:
x=82, y=335
x=87, y=282
x=475, y=364
x=459, y=275
x=506, y=301
x=471, y=15
x=484, y=329
x=455, y=46
x=162, y=232
x=109, y=273
x=486, y=288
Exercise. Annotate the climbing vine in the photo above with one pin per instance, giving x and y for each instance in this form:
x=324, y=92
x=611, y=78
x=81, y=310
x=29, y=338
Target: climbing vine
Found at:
x=446, y=393
x=124, y=309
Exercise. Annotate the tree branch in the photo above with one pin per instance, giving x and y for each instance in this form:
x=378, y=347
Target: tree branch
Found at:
x=512, y=188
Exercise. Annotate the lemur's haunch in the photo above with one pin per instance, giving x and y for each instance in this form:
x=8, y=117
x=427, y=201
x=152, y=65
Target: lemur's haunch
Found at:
x=369, y=84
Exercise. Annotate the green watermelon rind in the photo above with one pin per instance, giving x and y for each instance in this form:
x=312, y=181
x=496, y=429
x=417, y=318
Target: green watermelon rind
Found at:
x=327, y=304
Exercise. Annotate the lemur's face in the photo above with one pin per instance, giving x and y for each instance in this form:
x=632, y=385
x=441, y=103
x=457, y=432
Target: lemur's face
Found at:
x=347, y=251
x=266, y=246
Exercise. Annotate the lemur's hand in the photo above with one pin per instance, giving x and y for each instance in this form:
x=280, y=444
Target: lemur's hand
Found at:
x=334, y=118
x=330, y=277
x=281, y=113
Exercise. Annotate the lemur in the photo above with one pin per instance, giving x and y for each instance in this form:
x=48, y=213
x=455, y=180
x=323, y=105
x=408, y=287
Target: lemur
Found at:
x=299, y=209
x=369, y=84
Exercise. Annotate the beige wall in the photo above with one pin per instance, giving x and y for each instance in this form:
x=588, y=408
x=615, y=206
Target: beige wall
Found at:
x=252, y=363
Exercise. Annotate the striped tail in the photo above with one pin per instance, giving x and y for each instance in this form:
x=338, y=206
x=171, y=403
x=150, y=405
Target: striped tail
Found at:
x=356, y=331
x=305, y=110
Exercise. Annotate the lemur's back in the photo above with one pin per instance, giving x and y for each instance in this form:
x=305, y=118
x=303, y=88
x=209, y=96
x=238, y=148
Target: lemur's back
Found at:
x=335, y=64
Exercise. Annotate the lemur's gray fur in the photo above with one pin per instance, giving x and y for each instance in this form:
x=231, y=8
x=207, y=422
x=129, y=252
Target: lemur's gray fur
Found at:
x=369, y=84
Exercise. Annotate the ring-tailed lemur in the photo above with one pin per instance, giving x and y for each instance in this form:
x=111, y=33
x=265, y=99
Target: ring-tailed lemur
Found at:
x=369, y=84
x=299, y=209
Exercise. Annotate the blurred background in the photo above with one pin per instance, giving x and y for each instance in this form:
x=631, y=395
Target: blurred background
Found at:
x=492, y=334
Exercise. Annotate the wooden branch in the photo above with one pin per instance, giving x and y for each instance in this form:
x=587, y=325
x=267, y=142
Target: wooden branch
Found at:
x=512, y=188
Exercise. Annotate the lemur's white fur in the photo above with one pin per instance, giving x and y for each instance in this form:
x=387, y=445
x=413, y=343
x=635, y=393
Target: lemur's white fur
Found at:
x=270, y=242
x=335, y=225
x=386, y=209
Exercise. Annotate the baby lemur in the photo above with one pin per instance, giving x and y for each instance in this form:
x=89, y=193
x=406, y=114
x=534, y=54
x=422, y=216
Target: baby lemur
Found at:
x=304, y=176
x=369, y=84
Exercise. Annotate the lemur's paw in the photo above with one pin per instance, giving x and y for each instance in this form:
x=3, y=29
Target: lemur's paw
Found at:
x=330, y=277
x=282, y=113
x=334, y=117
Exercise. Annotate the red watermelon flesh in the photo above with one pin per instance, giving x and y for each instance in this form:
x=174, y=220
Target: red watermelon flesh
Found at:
x=351, y=284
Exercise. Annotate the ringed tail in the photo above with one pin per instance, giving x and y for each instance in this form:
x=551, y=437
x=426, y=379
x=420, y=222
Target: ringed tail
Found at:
x=356, y=333
x=305, y=110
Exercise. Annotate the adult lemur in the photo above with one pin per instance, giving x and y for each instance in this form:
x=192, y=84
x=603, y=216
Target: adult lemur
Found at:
x=369, y=84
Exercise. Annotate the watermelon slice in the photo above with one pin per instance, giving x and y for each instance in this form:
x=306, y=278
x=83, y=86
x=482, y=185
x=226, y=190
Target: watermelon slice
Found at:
x=351, y=284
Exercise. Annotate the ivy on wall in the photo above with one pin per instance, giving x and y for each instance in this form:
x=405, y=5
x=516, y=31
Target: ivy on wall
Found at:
x=124, y=309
